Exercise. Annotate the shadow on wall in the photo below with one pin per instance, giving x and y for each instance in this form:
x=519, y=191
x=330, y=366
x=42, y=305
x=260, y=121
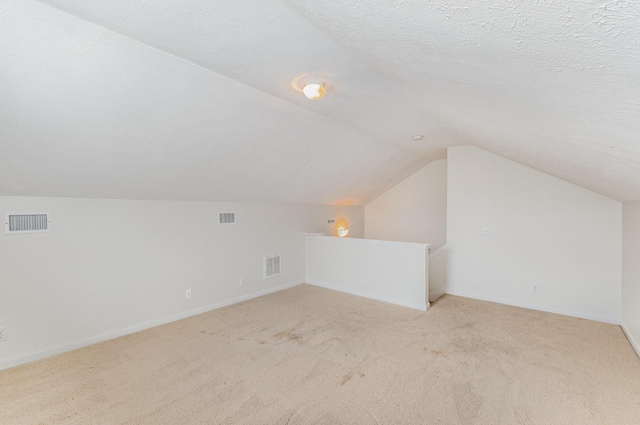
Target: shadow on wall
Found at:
x=437, y=273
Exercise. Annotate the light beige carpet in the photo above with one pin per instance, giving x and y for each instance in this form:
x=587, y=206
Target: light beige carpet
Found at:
x=313, y=356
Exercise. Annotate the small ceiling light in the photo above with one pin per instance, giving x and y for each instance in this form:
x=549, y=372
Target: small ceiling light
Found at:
x=343, y=231
x=314, y=90
x=418, y=137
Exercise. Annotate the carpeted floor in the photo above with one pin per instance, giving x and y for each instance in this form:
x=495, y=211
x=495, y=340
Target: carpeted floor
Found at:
x=313, y=356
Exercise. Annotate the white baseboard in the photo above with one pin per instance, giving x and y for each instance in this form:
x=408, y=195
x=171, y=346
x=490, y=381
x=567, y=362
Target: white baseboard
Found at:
x=6, y=364
x=605, y=319
x=631, y=338
x=418, y=306
x=437, y=294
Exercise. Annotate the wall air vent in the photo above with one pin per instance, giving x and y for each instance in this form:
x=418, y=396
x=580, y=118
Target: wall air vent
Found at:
x=15, y=223
x=227, y=218
x=272, y=266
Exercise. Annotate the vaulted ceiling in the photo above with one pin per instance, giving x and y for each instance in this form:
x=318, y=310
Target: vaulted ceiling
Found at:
x=193, y=99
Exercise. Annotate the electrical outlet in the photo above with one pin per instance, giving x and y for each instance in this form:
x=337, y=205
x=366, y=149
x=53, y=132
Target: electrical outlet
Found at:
x=3, y=333
x=242, y=281
x=535, y=289
x=484, y=230
x=187, y=294
x=362, y=277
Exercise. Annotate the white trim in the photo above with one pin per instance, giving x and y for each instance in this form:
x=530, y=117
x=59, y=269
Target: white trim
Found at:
x=418, y=306
x=634, y=343
x=614, y=321
x=438, y=251
x=437, y=294
x=5, y=364
x=374, y=242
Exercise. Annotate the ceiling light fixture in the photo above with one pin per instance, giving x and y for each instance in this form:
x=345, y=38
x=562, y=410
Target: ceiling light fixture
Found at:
x=314, y=90
x=418, y=137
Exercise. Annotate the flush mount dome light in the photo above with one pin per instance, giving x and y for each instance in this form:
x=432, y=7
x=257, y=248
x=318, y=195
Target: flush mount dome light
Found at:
x=314, y=90
x=310, y=86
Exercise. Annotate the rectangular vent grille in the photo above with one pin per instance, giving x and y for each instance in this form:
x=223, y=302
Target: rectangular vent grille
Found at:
x=227, y=218
x=272, y=266
x=331, y=221
x=26, y=223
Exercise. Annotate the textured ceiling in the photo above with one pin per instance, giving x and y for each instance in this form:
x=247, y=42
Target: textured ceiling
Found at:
x=192, y=99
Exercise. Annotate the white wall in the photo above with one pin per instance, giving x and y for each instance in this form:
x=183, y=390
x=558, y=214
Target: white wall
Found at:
x=631, y=272
x=395, y=272
x=543, y=231
x=110, y=267
x=415, y=210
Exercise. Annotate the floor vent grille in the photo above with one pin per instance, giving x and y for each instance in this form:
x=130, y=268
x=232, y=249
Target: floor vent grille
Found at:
x=15, y=223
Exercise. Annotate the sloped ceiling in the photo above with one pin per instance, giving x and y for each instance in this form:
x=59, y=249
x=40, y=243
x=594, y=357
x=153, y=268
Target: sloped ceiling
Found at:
x=192, y=99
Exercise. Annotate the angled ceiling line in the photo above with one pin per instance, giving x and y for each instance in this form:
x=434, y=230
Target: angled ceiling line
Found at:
x=460, y=129
x=380, y=73
x=375, y=139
